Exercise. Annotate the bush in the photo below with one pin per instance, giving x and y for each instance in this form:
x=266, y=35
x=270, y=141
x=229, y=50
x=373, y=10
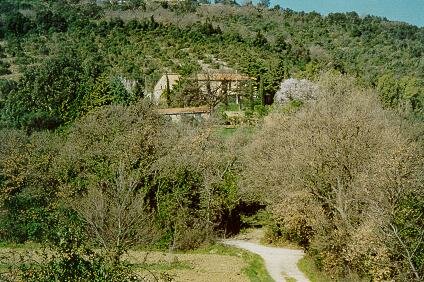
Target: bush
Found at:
x=104, y=170
x=296, y=90
x=334, y=173
x=27, y=183
x=4, y=68
x=195, y=189
x=68, y=258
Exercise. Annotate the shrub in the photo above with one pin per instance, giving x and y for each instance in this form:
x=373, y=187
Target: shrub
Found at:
x=104, y=170
x=195, y=189
x=68, y=258
x=334, y=173
x=27, y=183
x=296, y=90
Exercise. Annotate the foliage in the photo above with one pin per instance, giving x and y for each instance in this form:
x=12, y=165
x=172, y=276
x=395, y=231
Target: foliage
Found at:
x=308, y=267
x=4, y=68
x=187, y=93
x=347, y=166
x=28, y=188
x=266, y=44
x=69, y=258
x=405, y=92
x=341, y=175
x=105, y=163
x=145, y=184
x=46, y=96
x=85, y=266
x=196, y=189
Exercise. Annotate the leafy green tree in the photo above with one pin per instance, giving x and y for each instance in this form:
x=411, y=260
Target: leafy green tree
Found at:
x=260, y=40
x=404, y=92
x=408, y=236
x=28, y=185
x=106, y=161
x=47, y=95
x=136, y=4
x=196, y=189
x=389, y=90
x=17, y=24
x=69, y=257
x=413, y=93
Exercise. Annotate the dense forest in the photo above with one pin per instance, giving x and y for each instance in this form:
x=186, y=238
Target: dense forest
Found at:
x=88, y=163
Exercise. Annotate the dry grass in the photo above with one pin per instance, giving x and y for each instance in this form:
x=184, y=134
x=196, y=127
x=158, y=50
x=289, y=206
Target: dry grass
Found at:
x=181, y=267
x=192, y=267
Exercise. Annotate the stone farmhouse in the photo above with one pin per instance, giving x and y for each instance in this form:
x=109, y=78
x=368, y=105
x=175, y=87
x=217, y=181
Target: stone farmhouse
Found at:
x=216, y=82
x=166, y=80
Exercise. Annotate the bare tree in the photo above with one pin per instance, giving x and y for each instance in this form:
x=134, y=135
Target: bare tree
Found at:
x=115, y=212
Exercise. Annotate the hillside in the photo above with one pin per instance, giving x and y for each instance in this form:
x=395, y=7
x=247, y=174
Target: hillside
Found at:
x=90, y=159
x=142, y=43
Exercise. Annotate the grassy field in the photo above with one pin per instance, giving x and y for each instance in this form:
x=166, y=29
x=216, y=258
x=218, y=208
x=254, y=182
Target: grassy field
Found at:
x=254, y=267
x=212, y=263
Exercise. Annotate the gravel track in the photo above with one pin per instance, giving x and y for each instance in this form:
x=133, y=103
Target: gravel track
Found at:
x=281, y=263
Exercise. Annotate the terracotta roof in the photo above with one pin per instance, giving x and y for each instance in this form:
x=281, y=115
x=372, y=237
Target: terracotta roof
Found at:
x=221, y=76
x=187, y=110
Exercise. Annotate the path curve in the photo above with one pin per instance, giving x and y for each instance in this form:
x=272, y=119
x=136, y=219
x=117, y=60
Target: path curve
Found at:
x=280, y=262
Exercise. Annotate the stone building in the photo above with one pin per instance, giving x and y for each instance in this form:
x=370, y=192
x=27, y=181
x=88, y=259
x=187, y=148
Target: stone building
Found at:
x=215, y=82
x=167, y=80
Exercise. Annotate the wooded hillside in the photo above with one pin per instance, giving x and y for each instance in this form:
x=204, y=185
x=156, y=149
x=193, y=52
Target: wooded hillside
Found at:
x=87, y=161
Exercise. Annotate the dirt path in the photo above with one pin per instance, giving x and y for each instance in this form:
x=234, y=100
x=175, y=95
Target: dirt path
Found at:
x=281, y=263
